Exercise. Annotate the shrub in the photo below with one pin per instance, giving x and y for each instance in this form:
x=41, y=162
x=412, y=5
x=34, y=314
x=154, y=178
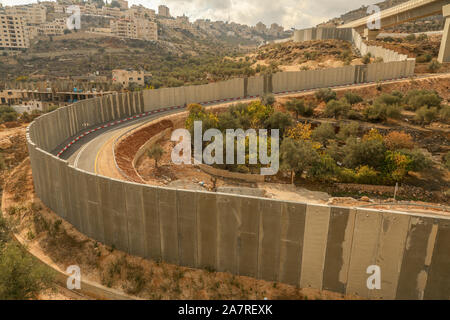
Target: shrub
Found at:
x=444, y=114
x=434, y=66
x=155, y=152
x=354, y=115
x=299, y=107
x=353, y=98
x=297, y=156
x=324, y=168
x=388, y=99
x=379, y=112
x=366, y=59
x=424, y=58
x=268, y=99
x=397, y=165
x=365, y=152
x=447, y=160
x=347, y=130
x=426, y=115
x=398, y=140
x=422, y=37
x=279, y=120
x=416, y=99
x=336, y=109
x=419, y=161
x=21, y=277
x=323, y=133
x=325, y=95
x=366, y=175
x=410, y=37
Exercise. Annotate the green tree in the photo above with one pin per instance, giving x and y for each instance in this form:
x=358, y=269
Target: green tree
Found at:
x=325, y=95
x=21, y=276
x=337, y=109
x=268, y=99
x=155, y=152
x=279, y=120
x=323, y=133
x=364, y=152
x=297, y=156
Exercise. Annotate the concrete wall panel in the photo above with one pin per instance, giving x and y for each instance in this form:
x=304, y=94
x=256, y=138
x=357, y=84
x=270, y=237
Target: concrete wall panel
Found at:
x=339, y=243
x=314, y=246
x=438, y=281
x=187, y=227
x=151, y=223
x=168, y=216
x=292, y=228
x=364, y=250
x=228, y=223
x=249, y=237
x=393, y=233
x=269, y=240
x=135, y=216
x=207, y=229
x=417, y=258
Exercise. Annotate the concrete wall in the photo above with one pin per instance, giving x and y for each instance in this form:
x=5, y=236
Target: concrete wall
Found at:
x=313, y=246
x=348, y=34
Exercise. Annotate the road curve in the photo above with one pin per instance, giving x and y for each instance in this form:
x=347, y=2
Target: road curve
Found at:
x=84, y=153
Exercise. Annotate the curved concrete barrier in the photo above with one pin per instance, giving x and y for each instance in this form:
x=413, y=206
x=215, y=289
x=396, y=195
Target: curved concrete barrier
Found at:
x=301, y=244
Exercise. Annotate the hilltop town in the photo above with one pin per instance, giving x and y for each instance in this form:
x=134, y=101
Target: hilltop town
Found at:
x=23, y=24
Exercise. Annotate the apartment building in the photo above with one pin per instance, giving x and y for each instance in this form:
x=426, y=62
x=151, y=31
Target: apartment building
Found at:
x=140, y=12
x=53, y=28
x=135, y=29
x=125, y=77
x=13, y=32
x=164, y=11
x=123, y=4
x=33, y=13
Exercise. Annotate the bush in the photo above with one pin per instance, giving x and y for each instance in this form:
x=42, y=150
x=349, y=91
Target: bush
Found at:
x=416, y=99
x=8, y=114
x=398, y=140
x=353, y=98
x=444, y=114
x=366, y=59
x=279, y=120
x=434, y=66
x=375, y=113
x=21, y=277
x=299, y=107
x=337, y=109
x=419, y=161
x=364, y=152
x=424, y=58
x=347, y=130
x=268, y=99
x=388, y=99
x=410, y=37
x=397, y=165
x=325, y=95
x=323, y=133
x=324, y=168
x=447, y=160
x=366, y=175
x=426, y=115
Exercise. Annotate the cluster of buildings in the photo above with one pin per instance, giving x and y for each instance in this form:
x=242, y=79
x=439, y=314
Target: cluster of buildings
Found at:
x=20, y=24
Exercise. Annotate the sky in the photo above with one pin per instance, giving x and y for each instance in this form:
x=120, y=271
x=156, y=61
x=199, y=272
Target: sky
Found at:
x=288, y=13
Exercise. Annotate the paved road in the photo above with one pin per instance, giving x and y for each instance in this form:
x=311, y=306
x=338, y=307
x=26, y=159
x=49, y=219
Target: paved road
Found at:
x=83, y=154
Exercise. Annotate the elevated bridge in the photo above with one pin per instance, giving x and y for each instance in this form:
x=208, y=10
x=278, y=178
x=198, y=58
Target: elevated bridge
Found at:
x=405, y=12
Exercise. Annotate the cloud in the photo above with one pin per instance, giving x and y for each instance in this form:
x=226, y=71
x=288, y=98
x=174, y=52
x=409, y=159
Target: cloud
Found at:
x=289, y=13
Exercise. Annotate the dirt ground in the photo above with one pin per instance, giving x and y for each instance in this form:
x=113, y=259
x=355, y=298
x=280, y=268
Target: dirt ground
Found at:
x=309, y=55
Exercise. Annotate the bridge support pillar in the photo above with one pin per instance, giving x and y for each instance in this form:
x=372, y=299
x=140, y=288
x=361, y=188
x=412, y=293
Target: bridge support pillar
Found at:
x=444, y=52
x=371, y=35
